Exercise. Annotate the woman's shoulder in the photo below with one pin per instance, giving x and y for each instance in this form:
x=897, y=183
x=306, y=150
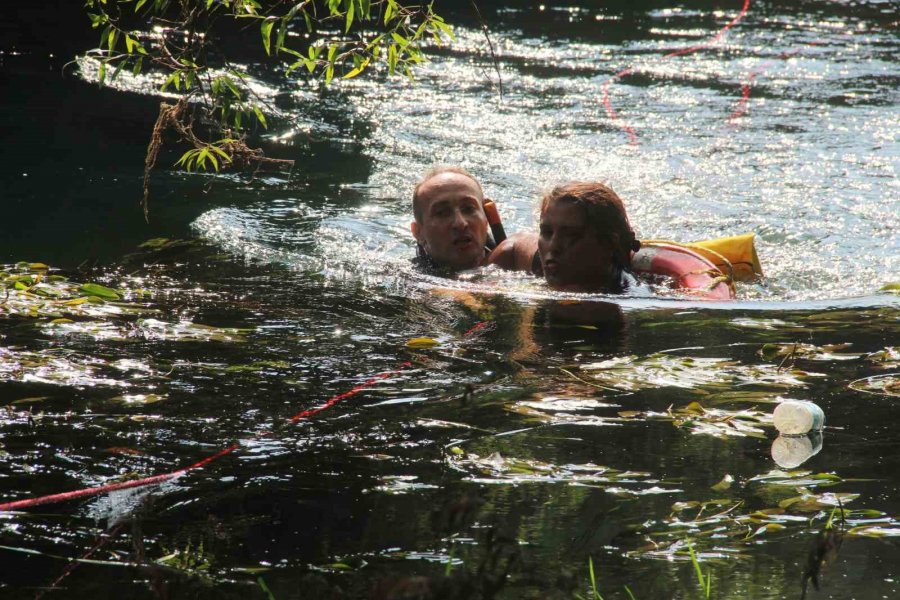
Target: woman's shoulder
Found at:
x=516, y=253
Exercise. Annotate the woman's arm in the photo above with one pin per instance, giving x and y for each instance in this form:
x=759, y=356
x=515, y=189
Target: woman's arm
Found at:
x=516, y=253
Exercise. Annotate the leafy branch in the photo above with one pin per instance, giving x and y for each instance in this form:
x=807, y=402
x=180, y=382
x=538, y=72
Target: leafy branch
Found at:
x=186, y=42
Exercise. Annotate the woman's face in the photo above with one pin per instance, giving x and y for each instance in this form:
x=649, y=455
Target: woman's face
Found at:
x=574, y=257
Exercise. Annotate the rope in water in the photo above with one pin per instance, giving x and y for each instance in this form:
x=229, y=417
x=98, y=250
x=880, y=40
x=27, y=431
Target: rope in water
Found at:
x=155, y=479
x=607, y=103
x=741, y=108
x=104, y=539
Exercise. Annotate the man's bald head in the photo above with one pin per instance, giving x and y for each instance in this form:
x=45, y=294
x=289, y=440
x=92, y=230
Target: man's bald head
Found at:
x=417, y=203
x=450, y=225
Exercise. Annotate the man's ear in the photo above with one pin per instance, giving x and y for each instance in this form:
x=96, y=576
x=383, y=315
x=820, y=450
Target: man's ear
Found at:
x=416, y=231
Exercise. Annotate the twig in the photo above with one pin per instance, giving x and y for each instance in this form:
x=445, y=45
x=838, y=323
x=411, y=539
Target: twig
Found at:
x=585, y=381
x=484, y=29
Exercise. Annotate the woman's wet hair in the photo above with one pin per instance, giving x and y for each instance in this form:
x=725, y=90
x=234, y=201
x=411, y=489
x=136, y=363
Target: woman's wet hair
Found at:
x=605, y=213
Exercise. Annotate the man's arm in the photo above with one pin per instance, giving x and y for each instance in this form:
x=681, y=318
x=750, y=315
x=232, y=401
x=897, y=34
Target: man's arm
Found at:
x=517, y=253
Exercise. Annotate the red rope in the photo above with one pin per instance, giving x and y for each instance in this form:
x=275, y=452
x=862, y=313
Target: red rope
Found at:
x=124, y=485
x=103, y=539
x=715, y=38
x=740, y=108
x=476, y=328
x=310, y=412
x=611, y=113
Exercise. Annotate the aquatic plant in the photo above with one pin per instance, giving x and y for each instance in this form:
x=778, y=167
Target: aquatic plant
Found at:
x=191, y=559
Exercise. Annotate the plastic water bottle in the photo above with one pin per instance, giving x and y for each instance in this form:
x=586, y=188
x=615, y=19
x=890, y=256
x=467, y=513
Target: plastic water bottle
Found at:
x=791, y=451
x=797, y=417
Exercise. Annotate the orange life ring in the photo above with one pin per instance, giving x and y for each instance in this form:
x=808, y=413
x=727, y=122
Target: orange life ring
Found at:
x=691, y=272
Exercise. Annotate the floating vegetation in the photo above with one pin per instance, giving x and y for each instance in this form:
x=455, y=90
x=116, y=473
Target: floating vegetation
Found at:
x=192, y=560
x=765, y=324
x=402, y=484
x=496, y=468
x=889, y=358
x=716, y=422
x=630, y=373
x=723, y=529
x=787, y=352
x=887, y=385
x=146, y=330
x=186, y=331
x=563, y=410
x=694, y=417
x=422, y=342
x=54, y=366
x=34, y=290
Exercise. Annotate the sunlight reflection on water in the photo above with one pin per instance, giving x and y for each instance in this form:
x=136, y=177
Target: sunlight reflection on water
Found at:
x=810, y=167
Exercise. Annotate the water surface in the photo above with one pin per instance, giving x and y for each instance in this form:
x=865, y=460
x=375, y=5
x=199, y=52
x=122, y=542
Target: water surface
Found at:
x=528, y=432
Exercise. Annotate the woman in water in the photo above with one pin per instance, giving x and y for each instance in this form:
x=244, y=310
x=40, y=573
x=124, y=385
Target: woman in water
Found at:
x=585, y=241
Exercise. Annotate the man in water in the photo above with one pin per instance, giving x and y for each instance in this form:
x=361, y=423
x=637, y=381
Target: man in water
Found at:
x=450, y=226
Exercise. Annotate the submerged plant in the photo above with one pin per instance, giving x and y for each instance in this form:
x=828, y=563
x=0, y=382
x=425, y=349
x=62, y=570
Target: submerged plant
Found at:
x=824, y=550
x=192, y=560
x=704, y=582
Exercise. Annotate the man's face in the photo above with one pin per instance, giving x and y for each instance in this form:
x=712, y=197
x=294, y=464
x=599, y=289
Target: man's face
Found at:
x=453, y=227
x=573, y=256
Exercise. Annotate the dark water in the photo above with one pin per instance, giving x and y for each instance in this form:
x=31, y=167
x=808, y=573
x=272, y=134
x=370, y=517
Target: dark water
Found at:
x=530, y=433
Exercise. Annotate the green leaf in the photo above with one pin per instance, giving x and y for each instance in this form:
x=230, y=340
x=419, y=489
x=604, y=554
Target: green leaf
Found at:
x=95, y=289
x=224, y=155
x=259, y=115
x=402, y=41
x=117, y=69
x=282, y=32
x=350, y=13
x=292, y=52
x=357, y=70
x=444, y=28
x=329, y=74
x=293, y=66
x=185, y=159
x=104, y=35
x=293, y=12
x=266, y=30
x=392, y=58
x=231, y=86
x=101, y=76
x=139, y=4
